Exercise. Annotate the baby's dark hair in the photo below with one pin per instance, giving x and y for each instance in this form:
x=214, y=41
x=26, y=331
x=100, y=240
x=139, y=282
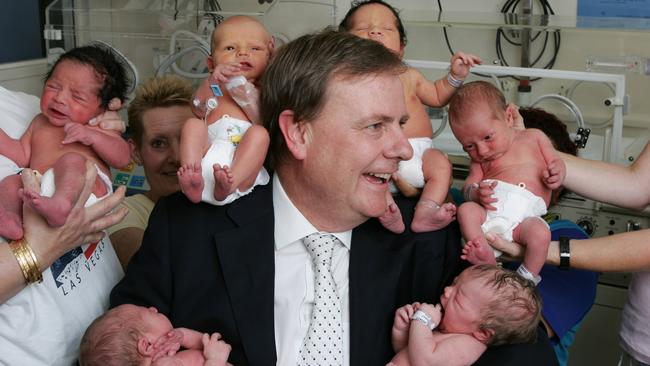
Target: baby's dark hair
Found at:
x=514, y=312
x=109, y=68
x=345, y=25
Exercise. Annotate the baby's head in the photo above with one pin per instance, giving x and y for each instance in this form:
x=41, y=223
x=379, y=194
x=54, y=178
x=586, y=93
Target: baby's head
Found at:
x=123, y=336
x=481, y=120
x=495, y=305
x=243, y=40
x=82, y=83
x=378, y=21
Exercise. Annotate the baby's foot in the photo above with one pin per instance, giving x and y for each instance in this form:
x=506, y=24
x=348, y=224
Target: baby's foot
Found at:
x=478, y=251
x=55, y=210
x=392, y=219
x=191, y=181
x=429, y=216
x=222, y=182
x=11, y=226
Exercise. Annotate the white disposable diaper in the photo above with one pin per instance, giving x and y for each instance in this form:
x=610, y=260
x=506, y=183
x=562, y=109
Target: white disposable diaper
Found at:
x=411, y=170
x=48, y=187
x=513, y=206
x=224, y=136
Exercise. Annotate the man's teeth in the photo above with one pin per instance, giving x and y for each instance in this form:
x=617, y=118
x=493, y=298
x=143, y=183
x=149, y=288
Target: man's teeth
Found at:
x=383, y=176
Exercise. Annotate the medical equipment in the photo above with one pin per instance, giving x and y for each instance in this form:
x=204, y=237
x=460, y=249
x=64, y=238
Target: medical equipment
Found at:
x=582, y=135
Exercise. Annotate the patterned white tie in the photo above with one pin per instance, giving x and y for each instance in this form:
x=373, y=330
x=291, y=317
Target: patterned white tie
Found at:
x=323, y=344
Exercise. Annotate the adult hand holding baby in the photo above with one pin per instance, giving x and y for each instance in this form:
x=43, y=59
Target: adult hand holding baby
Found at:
x=110, y=119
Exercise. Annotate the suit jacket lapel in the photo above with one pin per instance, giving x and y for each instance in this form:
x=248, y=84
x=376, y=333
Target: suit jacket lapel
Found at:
x=247, y=258
x=374, y=267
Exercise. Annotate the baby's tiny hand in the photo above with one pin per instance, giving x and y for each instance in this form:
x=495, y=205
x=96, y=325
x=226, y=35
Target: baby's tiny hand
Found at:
x=168, y=344
x=554, y=174
x=403, y=316
x=484, y=194
x=214, y=348
x=223, y=72
x=76, y=132
x=460, y=64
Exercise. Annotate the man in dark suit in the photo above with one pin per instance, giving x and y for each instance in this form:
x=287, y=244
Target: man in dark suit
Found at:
x=334, y=106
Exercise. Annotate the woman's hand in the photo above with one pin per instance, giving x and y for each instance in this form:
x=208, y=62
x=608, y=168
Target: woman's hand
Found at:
x=110, y=119
x=514, y=251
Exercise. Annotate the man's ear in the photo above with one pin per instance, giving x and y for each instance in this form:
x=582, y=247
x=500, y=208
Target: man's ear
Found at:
x=295, y=134
x=145, y=348
x=271, y=45
x=483, y=335
x=135, y=154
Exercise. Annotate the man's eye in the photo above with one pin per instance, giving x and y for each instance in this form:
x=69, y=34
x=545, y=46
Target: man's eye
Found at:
x=229, y=48
x=375, y=126
x=468, y=147
x=487, y=138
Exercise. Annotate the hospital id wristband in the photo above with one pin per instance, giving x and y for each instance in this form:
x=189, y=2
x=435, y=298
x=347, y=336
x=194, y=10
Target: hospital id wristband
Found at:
x=565, y=253
x=425, y=319
x=453, y=81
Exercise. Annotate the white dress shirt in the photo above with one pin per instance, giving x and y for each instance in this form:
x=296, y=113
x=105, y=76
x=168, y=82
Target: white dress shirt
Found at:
x=294, y=279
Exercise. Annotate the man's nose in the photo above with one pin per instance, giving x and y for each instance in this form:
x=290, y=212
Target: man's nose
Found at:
x=400, y=147
x=375, y=31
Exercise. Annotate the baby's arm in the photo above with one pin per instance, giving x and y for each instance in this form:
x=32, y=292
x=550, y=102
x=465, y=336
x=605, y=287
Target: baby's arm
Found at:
x=451, y=350
x=19, y=151
x=107, y=144
x=438, y=93
x=401, y=324
x=555, y=169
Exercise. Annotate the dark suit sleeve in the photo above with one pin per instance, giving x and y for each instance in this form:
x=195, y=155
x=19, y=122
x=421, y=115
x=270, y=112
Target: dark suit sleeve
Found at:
x=147, y=281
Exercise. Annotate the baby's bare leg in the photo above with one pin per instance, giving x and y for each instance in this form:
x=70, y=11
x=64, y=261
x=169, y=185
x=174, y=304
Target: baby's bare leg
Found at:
x=246, y=163
x=392, y=218
x=536, y=236
x=11, y=208
x=471, y=216
x=69, y=172
x=194, y=145
x=436, y=169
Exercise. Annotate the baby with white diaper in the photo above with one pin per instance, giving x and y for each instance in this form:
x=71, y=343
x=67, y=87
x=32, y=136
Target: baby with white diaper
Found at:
x=512, y=174
x=222, y=153
x=84, y=83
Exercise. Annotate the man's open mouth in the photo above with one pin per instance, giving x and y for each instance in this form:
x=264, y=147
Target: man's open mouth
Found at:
x=379, y=177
